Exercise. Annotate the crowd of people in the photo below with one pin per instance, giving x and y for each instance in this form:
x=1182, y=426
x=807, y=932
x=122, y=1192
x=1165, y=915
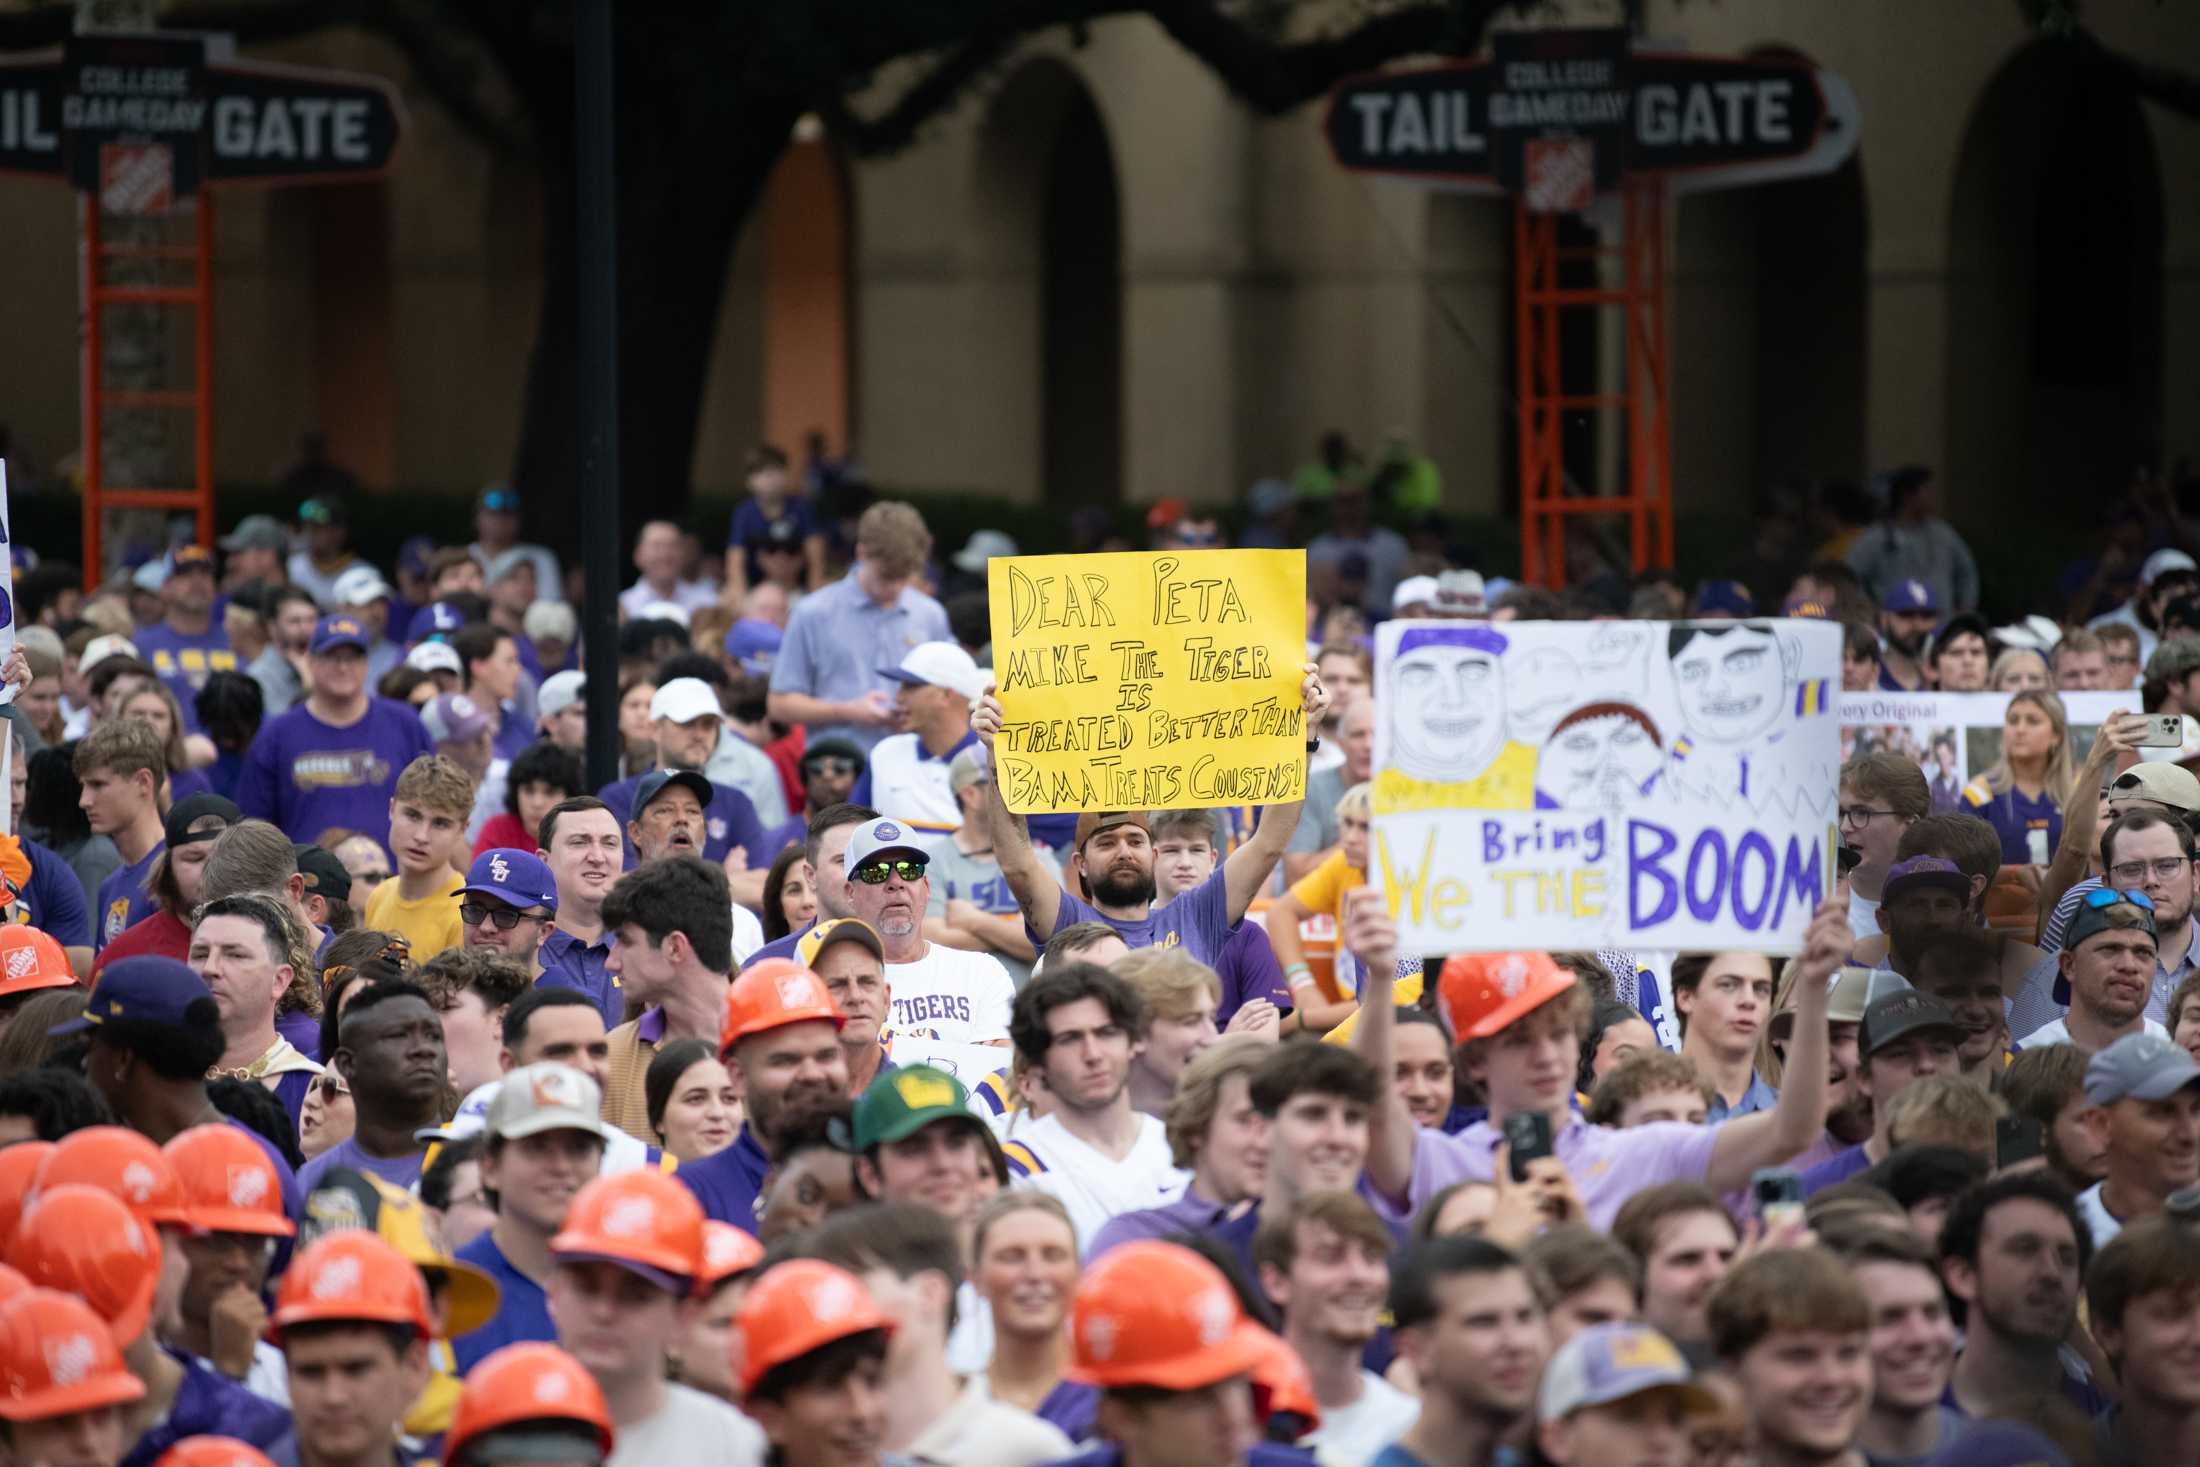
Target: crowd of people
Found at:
x=372, y=1089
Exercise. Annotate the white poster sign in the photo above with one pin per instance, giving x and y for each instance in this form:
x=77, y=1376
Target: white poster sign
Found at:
x=1576, y=785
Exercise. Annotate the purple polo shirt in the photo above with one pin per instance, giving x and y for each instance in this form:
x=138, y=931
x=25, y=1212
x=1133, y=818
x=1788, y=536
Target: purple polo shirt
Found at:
x=728, y=1182
x=567, y=962
x=1190, y=1213
x=1608, y=1166
x=1248, y=969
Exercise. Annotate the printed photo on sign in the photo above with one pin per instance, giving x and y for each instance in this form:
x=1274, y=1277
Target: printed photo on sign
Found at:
x=1605, y=784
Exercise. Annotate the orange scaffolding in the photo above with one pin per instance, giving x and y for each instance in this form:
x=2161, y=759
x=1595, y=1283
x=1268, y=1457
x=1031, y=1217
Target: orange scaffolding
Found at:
x=181, y=270
x=1549, y=496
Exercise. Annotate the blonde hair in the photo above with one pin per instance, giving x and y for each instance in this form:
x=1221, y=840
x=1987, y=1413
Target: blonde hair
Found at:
x=1358, y=800
x=435, y=783
x=2009, y=658
x=1199, y=1092
x=179, y=760
x=1949, y=1110
x=1008, y=1204
x=2060, y=773
x=1169, y=979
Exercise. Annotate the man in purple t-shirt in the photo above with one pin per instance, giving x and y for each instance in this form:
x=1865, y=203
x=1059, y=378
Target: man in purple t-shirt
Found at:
x=334, y=759
x=1111, y=858
x=1487, y=995
x=186, y=646
x=1185, y=856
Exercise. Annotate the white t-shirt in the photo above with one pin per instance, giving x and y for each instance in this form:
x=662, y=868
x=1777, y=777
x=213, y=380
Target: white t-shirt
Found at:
x=692, y=1430
x=2098, y=1219
x=1094, y=1187
x=978, y=1431
x=1355, y=1434
x=748, y=934
x=961, y=997
x=2059, y=1033
x=1863, y=916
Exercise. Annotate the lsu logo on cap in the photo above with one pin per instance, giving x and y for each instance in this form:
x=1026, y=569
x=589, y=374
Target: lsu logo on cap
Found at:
x=345, y=626
x=500, y=870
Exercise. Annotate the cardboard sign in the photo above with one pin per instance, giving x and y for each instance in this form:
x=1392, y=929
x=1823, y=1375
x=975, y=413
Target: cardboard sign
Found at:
x=1955, y=737
x=1166, y=680
x=1580, y=785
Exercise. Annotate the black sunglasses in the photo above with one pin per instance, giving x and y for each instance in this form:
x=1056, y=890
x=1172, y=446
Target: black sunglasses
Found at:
x=473, y=914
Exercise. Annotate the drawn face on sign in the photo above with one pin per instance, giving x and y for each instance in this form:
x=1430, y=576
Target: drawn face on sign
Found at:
x=1731, y=682
x=1448, y=717
x=1602, y=756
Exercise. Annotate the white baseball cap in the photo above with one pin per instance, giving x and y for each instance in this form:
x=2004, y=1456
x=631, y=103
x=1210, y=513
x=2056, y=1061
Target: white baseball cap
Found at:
x=2162, y=562
x=362, y=585
x=982, y=546
x=1413, y=590
x=435, y=657
x=99, y=649
x=940, y=665
x=671, y=611
x=560, y=691
x=683, y=700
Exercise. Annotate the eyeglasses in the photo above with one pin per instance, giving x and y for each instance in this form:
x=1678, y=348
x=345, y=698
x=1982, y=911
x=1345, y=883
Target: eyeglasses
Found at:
x=2131, y=873
x=828, y=766
x=878, y=873
x=1861, y=815
x=331, y=1086
x=473, y=914
x=2109, y=896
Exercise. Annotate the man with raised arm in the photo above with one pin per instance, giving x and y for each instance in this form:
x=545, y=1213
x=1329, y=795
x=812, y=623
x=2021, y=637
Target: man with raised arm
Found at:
x=1489, y=995
x=1112, y=858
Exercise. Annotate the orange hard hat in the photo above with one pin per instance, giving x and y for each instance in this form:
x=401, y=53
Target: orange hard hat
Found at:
x=57, y=1359
x=212, y=1451
x=122, y=1163
x=1484, y=992
x=1281, y=1383
x=526, y=1384
x=726, y=1251
x=1154, y=1314
x=11, y=1283
x=19, y=1166
x=641, y=1217
x=229, y=1185
x=776, y=992
x=31, y=960
x=356, y=1277
x=86, y=1242
x=800, y=1306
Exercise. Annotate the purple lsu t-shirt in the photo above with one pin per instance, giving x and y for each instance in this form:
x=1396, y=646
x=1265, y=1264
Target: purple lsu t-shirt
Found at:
x=1248, y=969
x=306, y=775
x=1608, y=1165
x=1197, y=921
x=124, y=899
x=185, y=660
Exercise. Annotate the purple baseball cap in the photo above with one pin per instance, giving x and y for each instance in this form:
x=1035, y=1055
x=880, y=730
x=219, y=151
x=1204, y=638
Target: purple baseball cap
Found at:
x=1925, y=871
x=1910, y=597
x=518, y=878
x=453, y=718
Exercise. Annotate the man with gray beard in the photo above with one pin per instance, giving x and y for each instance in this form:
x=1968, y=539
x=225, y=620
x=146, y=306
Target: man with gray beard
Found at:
x=940, y=993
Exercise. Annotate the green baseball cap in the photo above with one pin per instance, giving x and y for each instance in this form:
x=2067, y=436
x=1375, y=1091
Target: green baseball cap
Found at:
x=902, y=1102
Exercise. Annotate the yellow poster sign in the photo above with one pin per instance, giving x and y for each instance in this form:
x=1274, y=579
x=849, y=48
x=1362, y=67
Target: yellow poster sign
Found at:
x=1166, y=680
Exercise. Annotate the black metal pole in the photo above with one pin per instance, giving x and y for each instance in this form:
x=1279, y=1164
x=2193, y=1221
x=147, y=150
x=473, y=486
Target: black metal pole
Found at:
x=595, y=156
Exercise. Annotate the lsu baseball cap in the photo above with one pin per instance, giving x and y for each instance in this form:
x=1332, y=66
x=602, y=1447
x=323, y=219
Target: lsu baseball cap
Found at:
x=520, y=878
x=1725, y=598
x=560, y=691
x=1092, y=822
x=2139, y=1067
x=880, y=837
x=146, y=990
x=902, y=1102
x=190, y=558
x=1908, y=598
x=2167, y=784
x=837, y=929
x=453, y=718
x=1899, y=1015
x=546, y=1097
x=683, y=700
x=1927, y=872
x=334, y=632
x=433, y=620
x=657, y=781
x=940, y=665
x=1610, y=1362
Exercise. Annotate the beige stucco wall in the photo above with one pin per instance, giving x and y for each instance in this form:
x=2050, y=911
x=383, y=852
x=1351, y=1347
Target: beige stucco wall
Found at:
x=1265, y=294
